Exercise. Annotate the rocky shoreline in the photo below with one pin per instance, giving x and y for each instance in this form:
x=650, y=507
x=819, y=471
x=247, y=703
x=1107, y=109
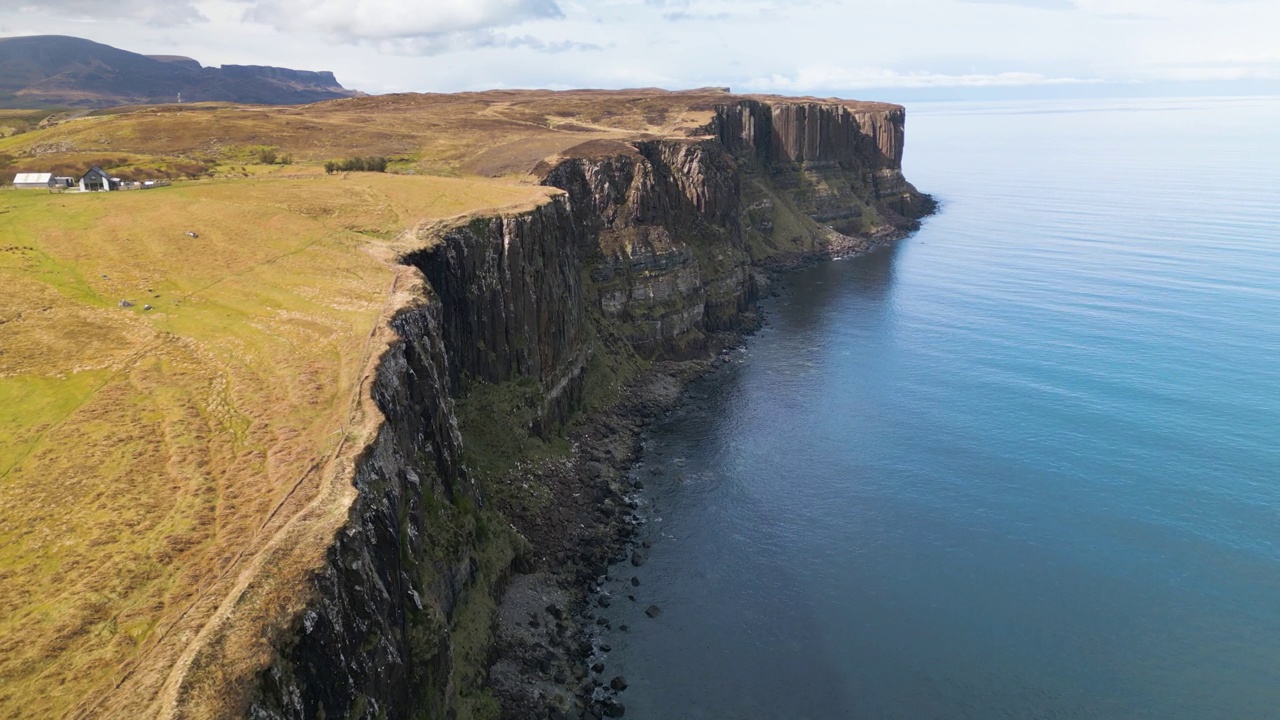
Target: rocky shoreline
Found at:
x=549, y=657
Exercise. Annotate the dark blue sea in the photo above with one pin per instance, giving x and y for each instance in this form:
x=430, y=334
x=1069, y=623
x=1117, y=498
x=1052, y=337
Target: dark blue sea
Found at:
x=1025, y=464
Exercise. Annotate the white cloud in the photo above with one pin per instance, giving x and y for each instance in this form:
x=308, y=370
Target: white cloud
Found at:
x=805, y=46
x=1032, y=4
x=149, y=12
x=1166, y=9
x=440, y=44
x=821, y=78
x=392, y=19
x=720, y=10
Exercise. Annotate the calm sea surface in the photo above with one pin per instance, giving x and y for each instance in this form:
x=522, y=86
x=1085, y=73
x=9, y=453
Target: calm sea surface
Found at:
x=1024, y=465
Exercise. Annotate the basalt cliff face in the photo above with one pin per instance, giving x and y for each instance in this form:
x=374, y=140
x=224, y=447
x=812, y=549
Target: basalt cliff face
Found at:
x=837, y=163
x=511, y=293
x=655, y=248
x=663, y=247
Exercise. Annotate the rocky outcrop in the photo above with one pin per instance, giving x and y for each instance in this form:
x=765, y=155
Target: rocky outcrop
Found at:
x=813, y=132
x=511, y=292
x=313, y=80
x=180, y=60
x=655, y=242
x=839, y=164
x=663, y=240
x=54, y=70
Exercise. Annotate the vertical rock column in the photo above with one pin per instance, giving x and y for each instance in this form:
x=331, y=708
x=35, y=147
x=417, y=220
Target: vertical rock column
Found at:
x=511, y=291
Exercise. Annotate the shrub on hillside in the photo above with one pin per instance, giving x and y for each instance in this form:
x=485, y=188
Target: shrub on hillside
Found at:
x=268, y=155
x=358, y=164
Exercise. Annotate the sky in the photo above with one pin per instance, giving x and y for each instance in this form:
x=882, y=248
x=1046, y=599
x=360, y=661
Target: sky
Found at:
x=892, y=50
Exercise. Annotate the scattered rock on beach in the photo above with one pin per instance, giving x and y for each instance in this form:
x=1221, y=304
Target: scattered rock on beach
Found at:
x=592, y=523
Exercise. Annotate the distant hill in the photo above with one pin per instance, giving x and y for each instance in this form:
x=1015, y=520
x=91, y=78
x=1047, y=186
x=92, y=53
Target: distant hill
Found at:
x=56, y=70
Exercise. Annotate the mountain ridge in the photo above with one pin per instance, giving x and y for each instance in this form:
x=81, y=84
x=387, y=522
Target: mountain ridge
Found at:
x=60, y=70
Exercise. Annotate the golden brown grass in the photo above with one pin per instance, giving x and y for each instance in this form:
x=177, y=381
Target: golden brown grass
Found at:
x=439, y=135
x=492, y=134
x=17, y=121
x=151, y=462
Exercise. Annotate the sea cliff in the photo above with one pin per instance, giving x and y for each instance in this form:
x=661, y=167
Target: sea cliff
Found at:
x=541, y=342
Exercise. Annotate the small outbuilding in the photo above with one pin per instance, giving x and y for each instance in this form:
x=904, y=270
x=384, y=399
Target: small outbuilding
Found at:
x=33, y=181
x=97, y=180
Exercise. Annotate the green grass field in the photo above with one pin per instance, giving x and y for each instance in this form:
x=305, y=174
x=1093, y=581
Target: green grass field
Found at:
x=147, y=457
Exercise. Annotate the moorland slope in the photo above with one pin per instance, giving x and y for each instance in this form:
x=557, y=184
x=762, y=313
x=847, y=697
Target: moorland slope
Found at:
x=63, y=71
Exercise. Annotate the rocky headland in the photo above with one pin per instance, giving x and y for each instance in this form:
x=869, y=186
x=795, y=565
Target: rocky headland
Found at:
x=495, y=495
x=60, y=71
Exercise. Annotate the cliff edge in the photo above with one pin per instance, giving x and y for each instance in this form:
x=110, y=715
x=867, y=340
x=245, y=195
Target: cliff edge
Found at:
x=550, y=318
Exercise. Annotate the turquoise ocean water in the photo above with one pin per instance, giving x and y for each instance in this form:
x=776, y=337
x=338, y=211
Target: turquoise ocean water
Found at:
x=1024, y=465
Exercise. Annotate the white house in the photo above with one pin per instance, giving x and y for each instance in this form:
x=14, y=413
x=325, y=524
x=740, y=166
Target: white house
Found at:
x=33, y=181
x=98, y=179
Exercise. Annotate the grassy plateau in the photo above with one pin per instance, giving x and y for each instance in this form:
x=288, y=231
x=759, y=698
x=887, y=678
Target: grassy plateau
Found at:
x=147, y=456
